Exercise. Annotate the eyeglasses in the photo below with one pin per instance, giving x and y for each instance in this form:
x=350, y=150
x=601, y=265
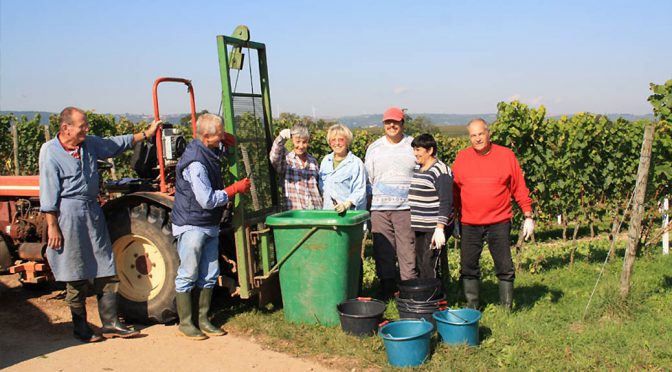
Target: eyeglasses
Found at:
x=336, y=140
x=392, y=122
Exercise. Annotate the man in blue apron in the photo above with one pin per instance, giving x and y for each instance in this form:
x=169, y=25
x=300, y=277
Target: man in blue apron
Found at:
x=79, y=248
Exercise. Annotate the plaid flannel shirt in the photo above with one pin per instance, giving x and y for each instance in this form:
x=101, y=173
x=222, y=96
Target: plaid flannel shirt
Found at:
x=300, y=179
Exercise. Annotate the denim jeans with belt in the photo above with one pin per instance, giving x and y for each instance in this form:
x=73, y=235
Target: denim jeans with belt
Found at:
x=198, y=260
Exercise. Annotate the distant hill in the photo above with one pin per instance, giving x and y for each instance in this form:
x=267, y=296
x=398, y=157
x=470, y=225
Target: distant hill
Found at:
x=436, y=119
x=357, y=121
x=457, y=119
x=44, y=116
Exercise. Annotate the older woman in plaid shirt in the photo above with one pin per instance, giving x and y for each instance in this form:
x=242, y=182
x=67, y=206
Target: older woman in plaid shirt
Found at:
x=299, y=169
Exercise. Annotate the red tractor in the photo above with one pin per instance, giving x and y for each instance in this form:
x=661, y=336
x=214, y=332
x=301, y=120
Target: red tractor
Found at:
x=138, y=218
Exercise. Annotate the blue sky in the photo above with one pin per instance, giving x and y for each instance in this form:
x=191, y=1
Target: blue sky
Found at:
x=339, y=57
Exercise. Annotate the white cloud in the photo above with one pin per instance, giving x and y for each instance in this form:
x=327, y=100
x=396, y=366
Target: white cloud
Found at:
x=528, y=101
x=400, y=90
x=515, y=97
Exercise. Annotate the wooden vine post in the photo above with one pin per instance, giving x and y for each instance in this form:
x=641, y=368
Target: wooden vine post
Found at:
x=15, y=148
x=635, y=229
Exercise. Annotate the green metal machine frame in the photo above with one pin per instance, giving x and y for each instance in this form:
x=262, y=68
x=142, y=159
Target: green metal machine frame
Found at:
x=253, y=241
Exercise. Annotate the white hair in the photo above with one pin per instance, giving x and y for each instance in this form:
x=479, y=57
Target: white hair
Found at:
x=207, y=123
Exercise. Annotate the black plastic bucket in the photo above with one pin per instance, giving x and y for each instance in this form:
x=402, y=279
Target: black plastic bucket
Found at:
x=429, y=305
x=361, y=316
x=428, y=289
x=426, y=315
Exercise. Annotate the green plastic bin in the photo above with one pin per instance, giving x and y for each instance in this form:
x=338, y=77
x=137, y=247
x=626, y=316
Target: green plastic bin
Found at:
x=319, y=256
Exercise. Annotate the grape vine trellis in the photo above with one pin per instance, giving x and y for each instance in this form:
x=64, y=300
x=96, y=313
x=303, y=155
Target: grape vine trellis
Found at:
x=582, y=167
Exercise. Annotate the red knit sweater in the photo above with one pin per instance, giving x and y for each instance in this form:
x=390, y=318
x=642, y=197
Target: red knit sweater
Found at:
x=484, y=184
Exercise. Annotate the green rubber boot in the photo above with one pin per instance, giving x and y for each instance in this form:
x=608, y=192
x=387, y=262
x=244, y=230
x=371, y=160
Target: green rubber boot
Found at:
x=204, y=324
x=186, y=328
x=471, y=292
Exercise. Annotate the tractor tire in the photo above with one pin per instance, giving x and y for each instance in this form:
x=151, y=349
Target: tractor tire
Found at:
x=146, y=259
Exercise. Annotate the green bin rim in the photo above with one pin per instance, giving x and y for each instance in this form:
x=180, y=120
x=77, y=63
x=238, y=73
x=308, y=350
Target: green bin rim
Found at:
x=309, y=218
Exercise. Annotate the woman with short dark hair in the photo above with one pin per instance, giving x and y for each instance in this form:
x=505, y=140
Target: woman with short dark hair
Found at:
x=431, y=201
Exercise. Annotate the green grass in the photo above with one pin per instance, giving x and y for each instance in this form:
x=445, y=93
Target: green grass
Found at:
x=545, y=331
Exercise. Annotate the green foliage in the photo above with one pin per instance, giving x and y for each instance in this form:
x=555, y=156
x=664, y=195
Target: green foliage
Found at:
x=582, y=167
x=546, y=331
x=31, y=135
x=661, y=100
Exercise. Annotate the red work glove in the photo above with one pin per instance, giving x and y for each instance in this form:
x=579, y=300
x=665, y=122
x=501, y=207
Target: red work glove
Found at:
x=238, y=187
x=229, y=140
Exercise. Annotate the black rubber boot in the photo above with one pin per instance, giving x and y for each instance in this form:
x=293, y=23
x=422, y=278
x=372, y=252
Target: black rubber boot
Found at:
x=112, y=326
x=204, y=299
x=186, y=327
x=388, y=288
x=81, y=329
x=506, y=294
x=471, y=292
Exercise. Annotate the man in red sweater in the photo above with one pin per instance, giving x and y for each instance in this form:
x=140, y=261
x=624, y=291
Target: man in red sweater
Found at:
x=486, y=176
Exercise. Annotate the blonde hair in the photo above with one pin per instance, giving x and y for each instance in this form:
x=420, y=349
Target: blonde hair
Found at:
x=339, y=129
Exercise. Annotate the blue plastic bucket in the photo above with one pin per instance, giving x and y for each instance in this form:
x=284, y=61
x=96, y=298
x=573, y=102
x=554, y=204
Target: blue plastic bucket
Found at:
x=458, y=326
x=407, y=342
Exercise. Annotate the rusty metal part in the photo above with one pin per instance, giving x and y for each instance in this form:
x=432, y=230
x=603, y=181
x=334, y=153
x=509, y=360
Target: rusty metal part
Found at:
x=32, y=251
x=32, y=272
x=234, y=265
x=21, y=229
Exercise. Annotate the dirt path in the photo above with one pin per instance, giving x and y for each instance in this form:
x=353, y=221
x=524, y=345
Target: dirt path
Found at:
x=36, y=335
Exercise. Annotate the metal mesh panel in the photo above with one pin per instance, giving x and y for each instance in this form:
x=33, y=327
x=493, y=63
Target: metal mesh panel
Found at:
x=253, y=159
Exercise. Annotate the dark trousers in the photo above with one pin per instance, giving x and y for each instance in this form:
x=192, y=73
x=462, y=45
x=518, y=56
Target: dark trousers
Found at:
x=77, y=291
x=497, y=236
x=426, y=259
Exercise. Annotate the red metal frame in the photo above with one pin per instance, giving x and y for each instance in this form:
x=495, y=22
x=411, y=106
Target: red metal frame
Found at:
x=159, y=143
x=23, y=186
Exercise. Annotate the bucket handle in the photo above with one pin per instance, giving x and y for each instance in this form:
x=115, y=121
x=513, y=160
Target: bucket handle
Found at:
x=389, y=336
x=457, y=316
x=291, y=251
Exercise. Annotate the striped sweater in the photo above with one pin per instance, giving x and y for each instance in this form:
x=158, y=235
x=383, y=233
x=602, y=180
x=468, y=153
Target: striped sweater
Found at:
x=431, y=197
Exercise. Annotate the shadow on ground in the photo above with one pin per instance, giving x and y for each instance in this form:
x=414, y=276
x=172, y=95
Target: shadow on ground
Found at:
x=26, y=332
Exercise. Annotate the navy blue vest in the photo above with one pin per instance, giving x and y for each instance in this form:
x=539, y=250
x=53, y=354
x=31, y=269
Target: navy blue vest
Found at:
x=186, y=210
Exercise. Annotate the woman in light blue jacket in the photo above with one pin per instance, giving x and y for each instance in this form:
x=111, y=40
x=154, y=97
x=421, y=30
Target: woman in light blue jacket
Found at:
x=342, y=174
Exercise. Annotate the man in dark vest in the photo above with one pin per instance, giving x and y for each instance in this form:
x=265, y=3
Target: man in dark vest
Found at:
x=200, y=198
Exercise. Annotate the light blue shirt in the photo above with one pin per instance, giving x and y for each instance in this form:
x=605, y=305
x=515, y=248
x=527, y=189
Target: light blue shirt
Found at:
x=346, y=182
x=207, y=198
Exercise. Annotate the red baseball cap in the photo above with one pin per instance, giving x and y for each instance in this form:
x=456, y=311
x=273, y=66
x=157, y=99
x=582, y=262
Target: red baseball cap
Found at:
x=393, y=113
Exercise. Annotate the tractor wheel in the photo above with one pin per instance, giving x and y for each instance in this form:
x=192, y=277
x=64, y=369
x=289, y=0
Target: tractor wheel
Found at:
x=146, y=260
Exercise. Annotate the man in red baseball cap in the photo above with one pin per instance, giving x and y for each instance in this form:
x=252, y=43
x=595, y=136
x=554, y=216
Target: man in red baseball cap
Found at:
x=393, y=113
x=389, y=164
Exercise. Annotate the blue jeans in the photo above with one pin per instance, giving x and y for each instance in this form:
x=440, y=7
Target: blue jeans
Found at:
x=198, y=261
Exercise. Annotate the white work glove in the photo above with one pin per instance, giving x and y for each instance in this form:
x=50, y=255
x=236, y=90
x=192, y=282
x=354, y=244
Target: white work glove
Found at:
x=286, y=134
x=439, y=238
x=528, y=228
x=343, y=206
